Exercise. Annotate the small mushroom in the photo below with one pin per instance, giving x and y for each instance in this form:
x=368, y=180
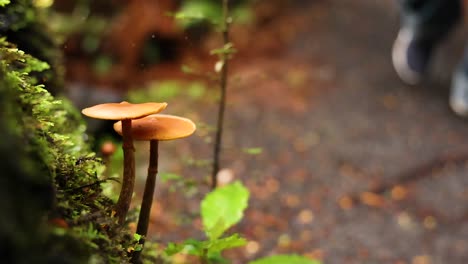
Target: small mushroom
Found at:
x=108, y=149
x=155, y=128
x=125, y=112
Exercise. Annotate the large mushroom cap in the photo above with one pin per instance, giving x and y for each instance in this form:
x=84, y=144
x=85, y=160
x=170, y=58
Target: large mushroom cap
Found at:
x=159, y=127
x=123, y=110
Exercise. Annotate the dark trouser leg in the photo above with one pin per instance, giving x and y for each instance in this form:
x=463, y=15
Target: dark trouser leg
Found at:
x=430, y=20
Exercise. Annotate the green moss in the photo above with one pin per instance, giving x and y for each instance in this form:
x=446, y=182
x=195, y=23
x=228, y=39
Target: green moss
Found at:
x=26, y=26
x=57, y=209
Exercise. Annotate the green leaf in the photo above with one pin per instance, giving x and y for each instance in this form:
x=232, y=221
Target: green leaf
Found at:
x=173, y=248
x=186, y=69
x=218, y=245
x=193, y=12
x=282, y=259
x=138, y=248
x=222, y=208
x=217, y=258
x=196, y=90
x=227, y=49
x=243, y=15
x=253, y=151
x=217, y=229
x=4, y=2
x=157, y=91
x=136, y=237
x=194, y=247
x=102, y=64
x=167, y=176
x=190, y=246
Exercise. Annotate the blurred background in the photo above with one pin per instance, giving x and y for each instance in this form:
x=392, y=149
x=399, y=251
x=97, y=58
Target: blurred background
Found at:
x=344, y=162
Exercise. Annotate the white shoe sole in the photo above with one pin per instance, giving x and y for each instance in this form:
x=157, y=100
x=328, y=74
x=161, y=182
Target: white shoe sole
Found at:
x=399, y=59
x=459, y=91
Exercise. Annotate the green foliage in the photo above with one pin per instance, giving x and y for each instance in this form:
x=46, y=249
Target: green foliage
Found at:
x=17, y=14
x=27, y=26
x=176, y=182
x=253, y=151
x=167, y=91
x=80, y=21
x=243, y=14
x=186, y=69
x=218, y=245
x=227, y=49
x=282, y=259
x=223, y=208
x=208, y=249
x=196, y=12
x=4, y=2
x=102, y=64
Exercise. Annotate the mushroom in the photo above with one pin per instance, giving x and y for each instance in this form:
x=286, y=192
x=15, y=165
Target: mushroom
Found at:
x=155, y=128
x=108, y=148
x=125, y=112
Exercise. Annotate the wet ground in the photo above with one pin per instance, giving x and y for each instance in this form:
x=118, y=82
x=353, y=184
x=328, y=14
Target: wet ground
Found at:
x=356, y=166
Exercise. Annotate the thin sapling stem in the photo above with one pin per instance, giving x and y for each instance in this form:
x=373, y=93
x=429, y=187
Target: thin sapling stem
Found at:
x=222, y=100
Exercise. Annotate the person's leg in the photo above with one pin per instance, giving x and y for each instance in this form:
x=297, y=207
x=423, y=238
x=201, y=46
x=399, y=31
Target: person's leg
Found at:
x=424, y=23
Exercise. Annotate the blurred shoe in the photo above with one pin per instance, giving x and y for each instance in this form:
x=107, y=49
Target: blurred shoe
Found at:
x=410, y=56
x=459, y=93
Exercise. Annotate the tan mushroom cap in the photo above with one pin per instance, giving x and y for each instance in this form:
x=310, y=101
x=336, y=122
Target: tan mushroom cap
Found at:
x=123, y=110
x=159, y=127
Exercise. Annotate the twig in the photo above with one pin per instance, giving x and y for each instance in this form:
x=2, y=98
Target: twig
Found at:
x=420, y=172
x=91, y=184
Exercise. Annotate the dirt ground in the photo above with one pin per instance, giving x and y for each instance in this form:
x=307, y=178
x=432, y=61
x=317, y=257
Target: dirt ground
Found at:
x=356, y=166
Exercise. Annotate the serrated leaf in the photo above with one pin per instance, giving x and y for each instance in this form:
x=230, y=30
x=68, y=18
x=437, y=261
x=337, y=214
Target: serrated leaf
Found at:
x=222, y=208
x=219, y=245
x=282, y=259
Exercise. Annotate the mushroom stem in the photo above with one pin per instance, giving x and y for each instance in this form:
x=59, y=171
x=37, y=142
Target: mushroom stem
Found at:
x=128, y=181
x=145, y=211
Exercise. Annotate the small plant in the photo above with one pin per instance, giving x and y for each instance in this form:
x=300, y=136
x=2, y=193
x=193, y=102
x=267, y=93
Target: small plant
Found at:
x=224, y=55
x=220, y=210
x=195, y=11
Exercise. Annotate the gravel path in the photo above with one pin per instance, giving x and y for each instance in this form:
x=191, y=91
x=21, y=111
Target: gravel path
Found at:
x=356, y=166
